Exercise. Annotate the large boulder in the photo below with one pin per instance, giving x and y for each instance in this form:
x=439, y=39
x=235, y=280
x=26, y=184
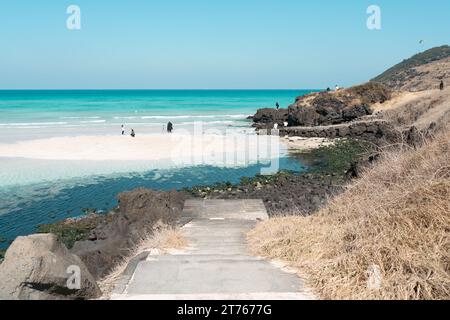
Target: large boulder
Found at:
x=140, y=211
x=38, y=267
x=271, y=116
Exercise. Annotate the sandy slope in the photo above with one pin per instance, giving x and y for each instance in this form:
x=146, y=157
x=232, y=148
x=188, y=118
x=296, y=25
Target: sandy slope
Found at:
x=416, y=108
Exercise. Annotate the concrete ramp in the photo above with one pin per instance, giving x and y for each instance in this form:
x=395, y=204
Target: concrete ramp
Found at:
x=217, y=264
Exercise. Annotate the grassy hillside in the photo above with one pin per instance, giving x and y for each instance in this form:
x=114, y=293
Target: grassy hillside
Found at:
x=420, y=59
x=394, y=219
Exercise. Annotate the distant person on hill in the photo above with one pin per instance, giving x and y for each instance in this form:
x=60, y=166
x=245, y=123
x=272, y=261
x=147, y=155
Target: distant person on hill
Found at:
x=441, y=86
x=123, y=129
x=169, y=127
x=277, y=105
x=337, y=88
x=132, y=133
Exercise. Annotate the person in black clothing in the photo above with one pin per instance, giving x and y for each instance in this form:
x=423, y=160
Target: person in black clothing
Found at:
x=277, y=105
x=169, y=127
x=441, y=86
x=132, y=133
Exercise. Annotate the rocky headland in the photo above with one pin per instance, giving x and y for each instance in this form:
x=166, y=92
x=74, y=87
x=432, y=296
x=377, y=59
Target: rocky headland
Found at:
x=358, y=112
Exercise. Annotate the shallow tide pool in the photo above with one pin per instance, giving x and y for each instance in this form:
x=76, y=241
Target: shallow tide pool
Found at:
x=24, y=207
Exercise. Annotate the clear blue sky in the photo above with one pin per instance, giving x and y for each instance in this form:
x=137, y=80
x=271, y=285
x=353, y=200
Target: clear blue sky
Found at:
x=211, y=43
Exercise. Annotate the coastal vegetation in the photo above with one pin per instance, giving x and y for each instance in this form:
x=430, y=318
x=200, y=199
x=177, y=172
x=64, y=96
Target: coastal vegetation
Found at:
x=337, y=159
x=417, y=60
x=394, y=219
x=73, y=230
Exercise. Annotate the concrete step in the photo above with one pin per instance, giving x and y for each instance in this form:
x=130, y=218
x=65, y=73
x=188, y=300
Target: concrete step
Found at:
x=258, y=296
x=210, y=274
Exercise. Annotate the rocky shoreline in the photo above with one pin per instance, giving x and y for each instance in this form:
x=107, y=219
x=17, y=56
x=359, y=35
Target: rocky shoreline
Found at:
x=95, y=243
x=283, y=194
x=290, y=193
x=101, y=241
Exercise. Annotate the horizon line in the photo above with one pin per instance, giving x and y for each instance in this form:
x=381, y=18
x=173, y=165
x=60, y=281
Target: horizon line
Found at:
x=154, y=89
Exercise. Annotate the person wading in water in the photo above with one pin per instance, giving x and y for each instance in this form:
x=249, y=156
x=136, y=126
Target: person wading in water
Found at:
x=169, y=127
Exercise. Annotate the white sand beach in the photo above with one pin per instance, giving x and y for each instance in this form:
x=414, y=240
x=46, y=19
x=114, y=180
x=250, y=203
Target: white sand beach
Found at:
x=153, y=147
x=49, y=159
x=144, y=147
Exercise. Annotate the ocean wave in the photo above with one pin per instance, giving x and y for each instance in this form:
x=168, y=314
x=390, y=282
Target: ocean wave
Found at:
x=205, y=123
x=232, y=116
x=93, y=121
x=18, y=124
x=80, y=117
x=125, y=118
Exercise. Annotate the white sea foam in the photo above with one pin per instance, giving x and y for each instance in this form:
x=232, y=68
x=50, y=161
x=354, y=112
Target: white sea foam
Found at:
x=93, y=121
x=80, y=117
x=18, y=124
x=206, y=123
x=237, y=116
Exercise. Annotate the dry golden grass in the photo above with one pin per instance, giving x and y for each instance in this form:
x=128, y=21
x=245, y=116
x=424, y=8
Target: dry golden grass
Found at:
x=395, y=217
x=163, y=239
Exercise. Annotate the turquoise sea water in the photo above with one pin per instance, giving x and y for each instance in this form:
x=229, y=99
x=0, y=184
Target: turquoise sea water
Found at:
x=34, y=114
x=38, y=114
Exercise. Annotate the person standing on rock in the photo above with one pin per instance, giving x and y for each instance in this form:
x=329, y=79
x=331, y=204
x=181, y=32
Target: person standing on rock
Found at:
x=277, y=105
x=441, y=86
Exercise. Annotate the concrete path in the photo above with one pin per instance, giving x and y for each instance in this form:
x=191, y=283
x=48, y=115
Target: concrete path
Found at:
x=217, y=265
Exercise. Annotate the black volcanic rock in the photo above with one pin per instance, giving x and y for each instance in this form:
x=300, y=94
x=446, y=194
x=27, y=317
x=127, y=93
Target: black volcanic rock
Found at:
x=271, y=116
x=139, y=212
x=326, y=108
x=355, y=112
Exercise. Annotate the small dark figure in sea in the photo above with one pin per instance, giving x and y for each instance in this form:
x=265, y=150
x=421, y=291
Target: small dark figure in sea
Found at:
x=328, y=89
x=123, y=130
x=441, y=86
x=132, y=133
x=277, y=105
x=169, y=127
